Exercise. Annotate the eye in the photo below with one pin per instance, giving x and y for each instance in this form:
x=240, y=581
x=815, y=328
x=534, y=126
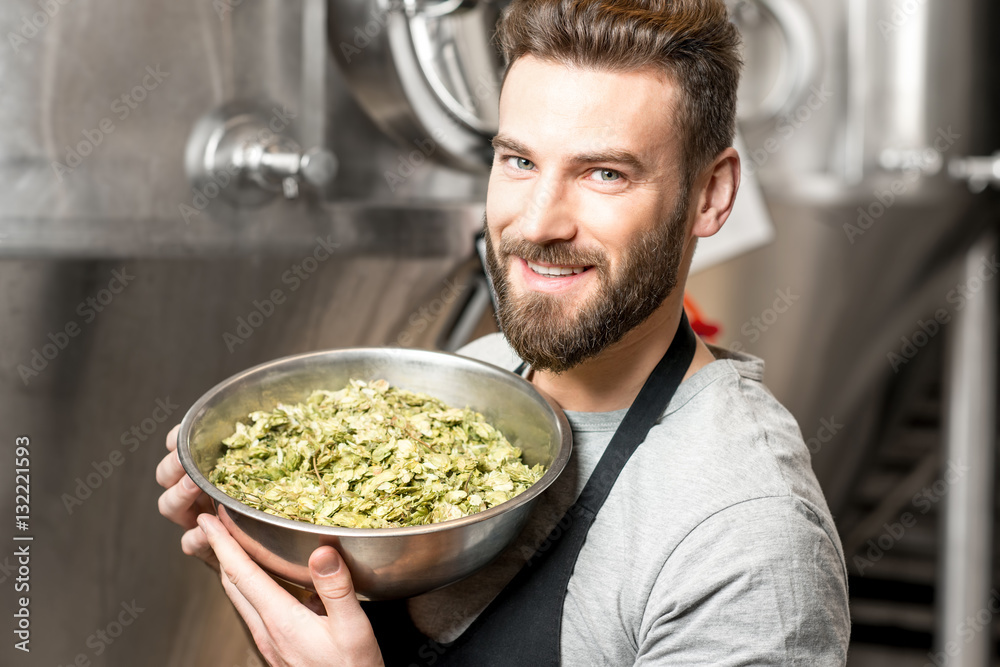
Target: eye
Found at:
x=605, y=175
x=521, y=163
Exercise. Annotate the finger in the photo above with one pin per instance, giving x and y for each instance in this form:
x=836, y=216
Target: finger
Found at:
x=169, y=470
x=179, y=502
x=253, y=583
x=194, y=543
x=255, y=624
x=335, y=588
x=172, y=438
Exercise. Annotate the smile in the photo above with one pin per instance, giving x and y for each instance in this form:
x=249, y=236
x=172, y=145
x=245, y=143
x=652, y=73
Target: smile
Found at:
x=555, y=271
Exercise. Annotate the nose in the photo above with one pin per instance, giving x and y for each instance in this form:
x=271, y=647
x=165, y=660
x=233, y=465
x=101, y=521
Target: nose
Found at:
x=550, y=214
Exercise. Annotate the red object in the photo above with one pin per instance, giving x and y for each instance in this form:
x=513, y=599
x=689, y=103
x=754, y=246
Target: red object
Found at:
x=704, y=329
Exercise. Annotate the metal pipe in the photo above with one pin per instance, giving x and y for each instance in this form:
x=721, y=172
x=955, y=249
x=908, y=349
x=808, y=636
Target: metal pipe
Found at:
x=857, y=90
x=966, y=603
x=979, y=172
x=314, y=109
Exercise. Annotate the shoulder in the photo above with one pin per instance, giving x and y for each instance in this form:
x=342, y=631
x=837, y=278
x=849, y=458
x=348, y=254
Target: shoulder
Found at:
x=761, y=579
x=781, y=532
x=728, y=432
x=493, y=349
x=724, y=454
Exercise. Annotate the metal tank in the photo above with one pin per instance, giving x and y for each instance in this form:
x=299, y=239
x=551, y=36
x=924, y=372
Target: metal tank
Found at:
x=190, y=188
x=873, y=139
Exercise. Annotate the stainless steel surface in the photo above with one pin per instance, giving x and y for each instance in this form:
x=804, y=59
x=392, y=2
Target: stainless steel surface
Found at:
x=776, y=83
x=978, y=172
x=390, y=562
x=889, y=88
x=240, y=150
x=866, y=250
x=96, y=115
x=388, y=232
x=460, y=62
x=351, y=229
x=966, y=586
x=99, y=540
x=429, y=81
x=871, y=239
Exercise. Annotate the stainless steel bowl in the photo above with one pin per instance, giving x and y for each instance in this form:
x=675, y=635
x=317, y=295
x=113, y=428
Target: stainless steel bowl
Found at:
x=386, y=562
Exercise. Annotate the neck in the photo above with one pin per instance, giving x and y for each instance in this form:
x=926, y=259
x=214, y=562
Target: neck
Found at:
x=612, y=380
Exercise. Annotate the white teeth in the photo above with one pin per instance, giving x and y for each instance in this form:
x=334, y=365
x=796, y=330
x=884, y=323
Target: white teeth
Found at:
x=556, y=270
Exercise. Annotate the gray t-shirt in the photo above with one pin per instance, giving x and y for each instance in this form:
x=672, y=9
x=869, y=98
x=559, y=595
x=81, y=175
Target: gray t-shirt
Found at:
x=715, y=546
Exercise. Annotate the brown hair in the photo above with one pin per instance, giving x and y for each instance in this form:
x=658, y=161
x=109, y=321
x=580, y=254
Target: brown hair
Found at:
x=692, y=41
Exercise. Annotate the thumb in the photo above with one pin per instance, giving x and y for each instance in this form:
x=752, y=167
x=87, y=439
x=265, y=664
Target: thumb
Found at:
x=333, y=583
x=347, y=622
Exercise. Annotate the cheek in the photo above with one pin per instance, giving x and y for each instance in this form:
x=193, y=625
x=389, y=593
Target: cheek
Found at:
x=615, y=223
x=611, y=220
x=503, y=202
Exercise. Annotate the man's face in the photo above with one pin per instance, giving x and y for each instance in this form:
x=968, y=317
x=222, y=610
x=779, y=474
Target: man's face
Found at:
x=586, y=211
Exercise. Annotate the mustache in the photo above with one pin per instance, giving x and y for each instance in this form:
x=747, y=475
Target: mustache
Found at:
x=562, y=253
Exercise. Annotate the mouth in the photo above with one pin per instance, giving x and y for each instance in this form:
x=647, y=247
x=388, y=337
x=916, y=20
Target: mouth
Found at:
x=552, y=278
x=556, y=271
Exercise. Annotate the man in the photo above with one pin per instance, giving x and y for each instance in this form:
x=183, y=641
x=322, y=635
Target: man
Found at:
x=691, y=529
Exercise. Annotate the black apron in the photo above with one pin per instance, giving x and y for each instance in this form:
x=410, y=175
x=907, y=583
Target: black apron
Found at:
x=522, y=626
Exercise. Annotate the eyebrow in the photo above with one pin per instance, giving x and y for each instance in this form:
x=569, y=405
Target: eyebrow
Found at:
x=607, y=156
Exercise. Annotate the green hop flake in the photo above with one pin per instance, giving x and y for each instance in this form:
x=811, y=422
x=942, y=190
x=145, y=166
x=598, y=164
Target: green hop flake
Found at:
x=370, y=456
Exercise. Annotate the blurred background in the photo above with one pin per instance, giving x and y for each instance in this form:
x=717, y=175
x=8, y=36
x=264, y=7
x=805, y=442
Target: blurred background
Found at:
x=194, y=187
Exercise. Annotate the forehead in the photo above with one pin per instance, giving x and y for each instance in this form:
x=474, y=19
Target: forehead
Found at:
x=558, y=108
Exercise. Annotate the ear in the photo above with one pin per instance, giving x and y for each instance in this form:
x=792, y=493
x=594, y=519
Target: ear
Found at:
x=716, y=192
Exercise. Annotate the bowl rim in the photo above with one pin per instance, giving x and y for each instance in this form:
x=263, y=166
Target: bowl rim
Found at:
x=219, y=497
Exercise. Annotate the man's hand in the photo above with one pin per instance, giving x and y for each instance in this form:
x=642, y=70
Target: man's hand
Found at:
x=183, y=501
x=285, y=631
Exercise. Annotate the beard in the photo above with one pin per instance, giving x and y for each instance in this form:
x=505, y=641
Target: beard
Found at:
x=537, y=325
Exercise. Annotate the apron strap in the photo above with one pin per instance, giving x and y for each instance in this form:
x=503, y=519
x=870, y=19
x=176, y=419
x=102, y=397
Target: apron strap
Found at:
x=523, y=624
